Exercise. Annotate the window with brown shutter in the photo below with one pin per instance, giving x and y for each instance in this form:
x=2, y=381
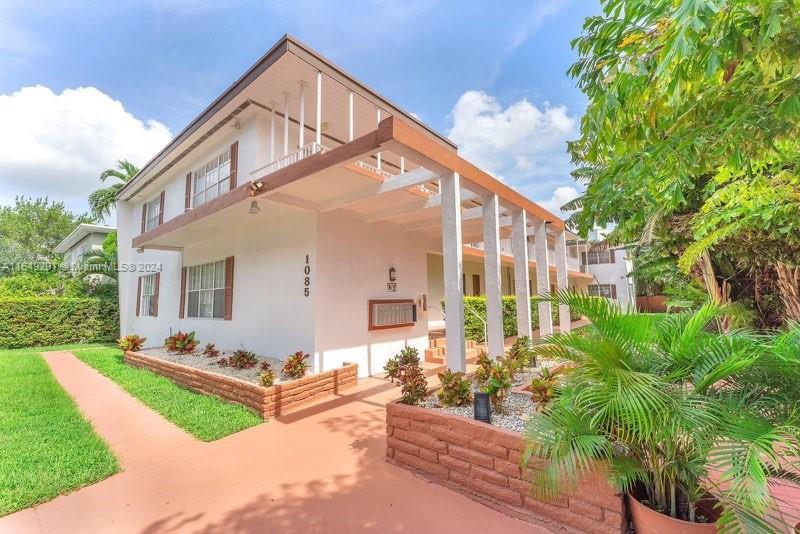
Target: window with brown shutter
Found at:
x=182, y=309
x=611, y=255
x=614, y=291
x=144, y=216
x=138, y=295
x=228, y=288
x=161, y=209
x=154, y=305
x=187, y=200
x=234, y=164
x=147, y=305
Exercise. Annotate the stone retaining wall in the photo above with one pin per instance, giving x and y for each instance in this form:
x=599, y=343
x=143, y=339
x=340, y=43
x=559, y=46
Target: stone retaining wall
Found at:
x=275, y=400
x=483, y=462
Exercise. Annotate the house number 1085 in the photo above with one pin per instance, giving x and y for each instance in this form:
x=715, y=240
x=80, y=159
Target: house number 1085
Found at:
x=307, y=278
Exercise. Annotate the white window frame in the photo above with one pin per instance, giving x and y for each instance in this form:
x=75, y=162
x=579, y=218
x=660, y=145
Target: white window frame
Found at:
x=598, y=257
x=205, y=291
x=212, y=179
x=600, y=290
x=152, y=213
x=148, y=295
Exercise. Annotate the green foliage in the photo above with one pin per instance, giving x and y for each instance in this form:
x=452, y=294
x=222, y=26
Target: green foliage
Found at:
x=405, y=369
x=499, y=383
x=473, y=326
x=47, y=447
x=521, y=355
x=210, y=350
x=204, y=416
x=102, y=200
x=181, y=342
x=296, y=365
x=544, y=386
x=26, y=322
x=666, y=401
x=41, y=284
x=267, y=378
x=484, y=364
x=456, y=389
x=240, y=359
x=31, y=229
x=131, y=343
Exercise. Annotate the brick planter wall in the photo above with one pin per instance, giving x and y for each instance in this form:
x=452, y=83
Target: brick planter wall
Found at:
x=483, y=462
x=275, y=400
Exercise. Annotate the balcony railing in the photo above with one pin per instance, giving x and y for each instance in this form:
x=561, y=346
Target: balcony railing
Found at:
x=293, y=157
x=374, y=170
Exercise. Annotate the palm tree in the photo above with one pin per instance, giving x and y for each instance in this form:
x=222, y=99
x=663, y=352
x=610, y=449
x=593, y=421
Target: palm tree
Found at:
x=102, y=200
x=674, y=407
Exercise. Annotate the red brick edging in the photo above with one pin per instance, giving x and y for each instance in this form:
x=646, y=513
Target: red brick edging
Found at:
x=275, y=400
x=483, y=462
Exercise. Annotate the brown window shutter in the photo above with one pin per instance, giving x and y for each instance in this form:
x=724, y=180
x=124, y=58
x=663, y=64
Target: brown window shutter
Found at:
x=182, y=309
x=613, y=291
x=154, y=306
x=138, y=294
x=144, y=215
x=611, y=255
x=228, y=288
x=234, y=163
x=583, y=258
x=187, y=200
x=161, y=209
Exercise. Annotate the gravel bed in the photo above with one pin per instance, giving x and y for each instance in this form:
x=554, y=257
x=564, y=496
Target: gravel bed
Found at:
x=200, y=361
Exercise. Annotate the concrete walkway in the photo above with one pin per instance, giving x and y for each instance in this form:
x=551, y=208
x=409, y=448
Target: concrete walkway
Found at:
x=318, y=470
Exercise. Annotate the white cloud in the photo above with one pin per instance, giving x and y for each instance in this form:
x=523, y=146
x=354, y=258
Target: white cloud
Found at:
x=58, y=144
x=523, y=144
x=560, y=196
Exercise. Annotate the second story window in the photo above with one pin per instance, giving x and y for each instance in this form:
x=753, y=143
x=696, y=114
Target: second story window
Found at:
x=212, y=179
x=152, y=213
x=596, y=257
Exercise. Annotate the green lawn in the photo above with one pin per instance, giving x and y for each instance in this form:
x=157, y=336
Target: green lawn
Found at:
x=46, y=446
x=207, y=418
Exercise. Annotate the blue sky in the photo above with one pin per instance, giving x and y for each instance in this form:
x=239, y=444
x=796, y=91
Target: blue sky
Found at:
x=490, y=75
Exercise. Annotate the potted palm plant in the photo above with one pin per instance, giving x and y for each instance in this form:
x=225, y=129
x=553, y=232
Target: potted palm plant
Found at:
x=683, y=418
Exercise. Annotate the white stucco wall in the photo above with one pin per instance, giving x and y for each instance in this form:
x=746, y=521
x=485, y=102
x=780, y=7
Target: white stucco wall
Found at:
x=616, y=273
x=353, y=261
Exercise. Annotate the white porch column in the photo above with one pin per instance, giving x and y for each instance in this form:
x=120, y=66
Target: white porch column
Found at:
x=302, y=113
x=519, y=245
x=450, y=188
x=491, y=266
x=351, y=117
x=542, y=276
x=319, y=108
x=378, y=155
x=402, y=165
x=286, y=123
x=272, y=105
x=564, y=322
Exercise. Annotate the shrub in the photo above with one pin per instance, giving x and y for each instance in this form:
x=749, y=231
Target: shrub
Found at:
x=456, y=389
x=210, y=351
x=132, y=343
x=404, y=369
x=241, y=359
x=35, y=321
x=473, y=326
x=499, y=383
x=484, y=367
x=544, y=386
x=521, y=355
x=267, y=378
x=265, y=366
x=181, y=342
x=296, y=365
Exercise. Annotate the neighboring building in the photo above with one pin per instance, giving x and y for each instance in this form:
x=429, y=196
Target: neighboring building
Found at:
x=610, y=268
x=83, y=239
x=303, y=211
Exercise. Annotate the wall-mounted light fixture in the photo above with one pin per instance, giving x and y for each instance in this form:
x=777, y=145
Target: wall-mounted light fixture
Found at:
x=392, y=274
x=254, y=208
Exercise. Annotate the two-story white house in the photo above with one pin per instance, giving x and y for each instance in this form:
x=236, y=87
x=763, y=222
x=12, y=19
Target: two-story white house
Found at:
x=301, y=210
x=85, y=238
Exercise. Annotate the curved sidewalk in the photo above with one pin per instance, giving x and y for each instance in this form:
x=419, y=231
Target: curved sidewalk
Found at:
x=318, y=470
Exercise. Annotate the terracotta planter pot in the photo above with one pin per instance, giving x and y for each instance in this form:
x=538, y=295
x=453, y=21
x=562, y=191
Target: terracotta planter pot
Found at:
x=648, y=521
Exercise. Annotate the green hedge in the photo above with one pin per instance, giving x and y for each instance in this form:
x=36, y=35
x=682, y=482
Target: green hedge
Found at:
x=473, y=326
x=33, y=321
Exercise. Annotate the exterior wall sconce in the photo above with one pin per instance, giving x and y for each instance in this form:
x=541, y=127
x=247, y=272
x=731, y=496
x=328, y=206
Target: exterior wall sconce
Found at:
x=392, y=274
x=254, y=208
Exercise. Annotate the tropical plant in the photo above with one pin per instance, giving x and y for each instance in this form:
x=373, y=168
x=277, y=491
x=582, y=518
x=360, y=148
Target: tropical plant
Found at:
x=131, y=343
x=240, y=359
x=405, y=370
x=210, y=350
x=499, y=383
x=456, y=388
x=484, y=364
x=544, y=386
x=520, y=355
x=267, y=378
x=181, y=342
x=102, y=200
x=102, y=261
x=691, y=129
x=673, y=405
x=296, y=365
